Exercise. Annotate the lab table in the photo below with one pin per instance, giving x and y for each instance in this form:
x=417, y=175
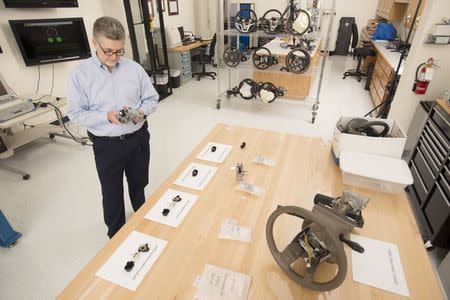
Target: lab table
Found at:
x=304, y=167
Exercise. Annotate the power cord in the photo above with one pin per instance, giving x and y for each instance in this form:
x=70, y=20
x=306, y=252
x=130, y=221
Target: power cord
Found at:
x=38, y=80
x=53, y=79
x=79, y=140
x=51, y=89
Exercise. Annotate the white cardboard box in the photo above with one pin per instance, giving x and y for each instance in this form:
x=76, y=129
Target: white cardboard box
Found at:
x=376, y=172
x=389, y=146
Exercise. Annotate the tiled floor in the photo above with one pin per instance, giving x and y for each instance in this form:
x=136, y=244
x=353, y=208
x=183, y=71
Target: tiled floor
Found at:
x=59, y=209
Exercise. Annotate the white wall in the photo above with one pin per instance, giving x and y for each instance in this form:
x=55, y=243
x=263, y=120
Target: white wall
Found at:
x=405, y=101
x=185, y=18
x=23, y=79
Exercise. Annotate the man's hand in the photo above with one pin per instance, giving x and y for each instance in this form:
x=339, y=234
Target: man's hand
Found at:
x=113, y=117
x=137, y=118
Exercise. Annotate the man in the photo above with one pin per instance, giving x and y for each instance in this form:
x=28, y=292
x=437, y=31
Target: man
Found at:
x=98, y=89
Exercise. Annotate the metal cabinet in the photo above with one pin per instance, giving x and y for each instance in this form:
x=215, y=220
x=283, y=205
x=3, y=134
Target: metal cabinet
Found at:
x=181, y=61
x=430, y=168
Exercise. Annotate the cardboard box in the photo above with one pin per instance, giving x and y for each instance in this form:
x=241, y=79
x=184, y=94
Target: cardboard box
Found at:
x=376, y=172
x=392, y=146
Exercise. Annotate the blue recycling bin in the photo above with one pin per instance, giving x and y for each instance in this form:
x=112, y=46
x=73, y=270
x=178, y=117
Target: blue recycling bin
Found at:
x=7, y=234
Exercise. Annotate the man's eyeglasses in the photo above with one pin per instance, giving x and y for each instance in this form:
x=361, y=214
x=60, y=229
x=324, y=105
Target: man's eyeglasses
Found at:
x=109, y=52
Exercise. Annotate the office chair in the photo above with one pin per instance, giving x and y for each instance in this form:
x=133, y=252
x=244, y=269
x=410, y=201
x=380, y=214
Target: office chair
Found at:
x=361, y=53
x=204, y=59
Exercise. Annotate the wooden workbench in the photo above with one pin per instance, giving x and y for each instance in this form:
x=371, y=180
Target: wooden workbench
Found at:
x=189, y=47
x=304, y=167
x=297, y=86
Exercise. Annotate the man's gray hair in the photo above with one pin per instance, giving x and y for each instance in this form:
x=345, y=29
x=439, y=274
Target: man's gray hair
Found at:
x=109, y=28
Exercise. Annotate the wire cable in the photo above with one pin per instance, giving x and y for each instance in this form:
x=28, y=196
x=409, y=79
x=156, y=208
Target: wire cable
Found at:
x=80, y=140
x=53, y=79
x=38, y=80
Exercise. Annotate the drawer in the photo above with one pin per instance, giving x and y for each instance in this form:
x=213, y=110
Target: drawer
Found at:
x=186, y=75
x=424, y=170
x=381, y=91
x=418, y=184
x=377, y=85
x=186, y=68
x=438, y=208
x=430, y=162
x=437, y=161
x=185, y=61
x=375, y=97
x=435, y=150
x=381, y=75
x=434, y=141
x=440, y=118
x=439, y=135
x=185, y=55
x=377, y=69
x=386, y=67
x=447, y=172
x=445, y=185
x=186, y=64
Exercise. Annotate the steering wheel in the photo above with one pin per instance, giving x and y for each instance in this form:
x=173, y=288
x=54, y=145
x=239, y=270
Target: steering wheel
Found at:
x=231, y=57
x=298, y=60
x=364, y=127
x=262, y=58
x=294, y=250
x=272, y=22
x=246, y=25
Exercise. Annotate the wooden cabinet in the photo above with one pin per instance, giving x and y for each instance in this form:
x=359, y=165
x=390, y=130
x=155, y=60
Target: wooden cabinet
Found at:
x=412, y=5
x=390, y=10
x=381, y=76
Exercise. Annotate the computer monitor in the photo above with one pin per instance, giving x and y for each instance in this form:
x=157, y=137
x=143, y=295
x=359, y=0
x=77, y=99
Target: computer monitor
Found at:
x=181, y=30
x=46, y=41
x=40, y=3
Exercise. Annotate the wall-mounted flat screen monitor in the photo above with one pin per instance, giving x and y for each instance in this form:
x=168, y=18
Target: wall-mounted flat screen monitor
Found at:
x=47, y=41
x=40, y=3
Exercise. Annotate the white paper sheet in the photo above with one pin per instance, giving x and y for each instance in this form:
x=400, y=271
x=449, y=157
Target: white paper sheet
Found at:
x=230, y=230
x=222, y=284
x=251, y=188
x=178, y=210
x=199, y=182
x=113, y=269
x=217, y=156
x=264, y=161
x=379, y=266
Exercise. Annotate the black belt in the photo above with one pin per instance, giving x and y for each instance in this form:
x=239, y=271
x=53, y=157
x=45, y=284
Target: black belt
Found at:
x=122, y=137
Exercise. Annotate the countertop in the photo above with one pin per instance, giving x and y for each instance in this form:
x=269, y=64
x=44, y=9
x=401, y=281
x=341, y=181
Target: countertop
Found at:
x=391, y=57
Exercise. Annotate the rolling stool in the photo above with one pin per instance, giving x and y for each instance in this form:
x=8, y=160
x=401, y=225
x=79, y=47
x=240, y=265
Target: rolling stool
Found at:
x=361, y=53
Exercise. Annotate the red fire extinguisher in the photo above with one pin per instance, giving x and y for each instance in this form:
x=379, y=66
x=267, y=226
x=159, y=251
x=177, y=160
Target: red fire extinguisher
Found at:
x=424, y=74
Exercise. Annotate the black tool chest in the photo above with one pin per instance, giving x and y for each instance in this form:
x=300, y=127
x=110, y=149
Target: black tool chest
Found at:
x=430, y=168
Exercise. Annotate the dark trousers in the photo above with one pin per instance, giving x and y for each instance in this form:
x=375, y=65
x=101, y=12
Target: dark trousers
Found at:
x=113, y=157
